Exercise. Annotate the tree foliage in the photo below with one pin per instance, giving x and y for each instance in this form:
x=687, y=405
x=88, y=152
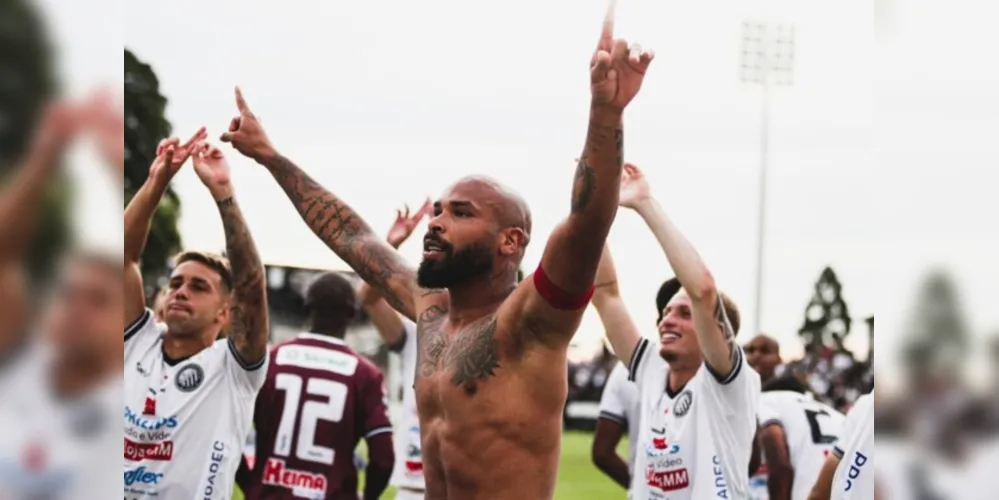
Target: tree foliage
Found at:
x=27, y=83
x=145, y=126
x=937, y=335
x=827, y=317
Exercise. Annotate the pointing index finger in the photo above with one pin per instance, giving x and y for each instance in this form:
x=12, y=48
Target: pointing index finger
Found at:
x=607, y=33
x=241, y=102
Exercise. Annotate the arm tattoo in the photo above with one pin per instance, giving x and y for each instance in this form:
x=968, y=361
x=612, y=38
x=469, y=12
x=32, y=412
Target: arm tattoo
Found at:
x=584, y=183
x=596, y=151
x=344, y=232
x=248, y=310
x=471, y=355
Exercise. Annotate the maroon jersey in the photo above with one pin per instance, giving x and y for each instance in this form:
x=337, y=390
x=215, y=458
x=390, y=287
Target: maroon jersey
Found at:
x=319, y=400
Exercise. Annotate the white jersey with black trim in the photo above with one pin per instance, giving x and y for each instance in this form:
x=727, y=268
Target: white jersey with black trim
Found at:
x=186, y=421
x=811, y=429
x=695, y=443
x=621, y=403
x=408, y=471
x=855, y=475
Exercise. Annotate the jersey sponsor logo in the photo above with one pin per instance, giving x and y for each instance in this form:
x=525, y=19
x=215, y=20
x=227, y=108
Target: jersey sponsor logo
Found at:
x=149, y=424
x=142, y=476
x=189, y=378
x=859, y=461
x=683, y=403
x=277, y=474
x=668, y=480
x=214, y=466
x=162, y=451
x=317, y=358
x=721, y=484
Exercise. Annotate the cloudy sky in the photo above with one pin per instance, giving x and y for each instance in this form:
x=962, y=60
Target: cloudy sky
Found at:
x=881, y=151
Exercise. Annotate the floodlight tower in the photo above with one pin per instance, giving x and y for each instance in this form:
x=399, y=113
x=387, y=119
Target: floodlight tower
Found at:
x=767, y=61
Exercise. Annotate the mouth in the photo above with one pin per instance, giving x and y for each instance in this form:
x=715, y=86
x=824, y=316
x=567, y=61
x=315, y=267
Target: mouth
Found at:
x=433, y=249
x=669, y=337
x=178, y=308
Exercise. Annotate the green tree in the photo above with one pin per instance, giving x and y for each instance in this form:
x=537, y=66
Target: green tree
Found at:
x=827, y=318
x=27, y=83
x=937, y=334
x=145, y=126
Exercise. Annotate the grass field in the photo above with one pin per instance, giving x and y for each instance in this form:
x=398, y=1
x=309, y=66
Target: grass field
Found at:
x=577, y=477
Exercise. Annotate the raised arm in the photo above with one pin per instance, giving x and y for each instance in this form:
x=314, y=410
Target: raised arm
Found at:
x=170, y=156
x=21, y=198
x=386, y=320
x=618, y=325
x=570, y=260
x=248, y=307
x=716, y=338
x=329, y=217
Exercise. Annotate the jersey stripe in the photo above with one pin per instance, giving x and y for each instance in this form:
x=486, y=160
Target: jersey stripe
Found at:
x=239, y=359
x=377, y=431
x=636, y=359
x=613, y=417
x=138, y=324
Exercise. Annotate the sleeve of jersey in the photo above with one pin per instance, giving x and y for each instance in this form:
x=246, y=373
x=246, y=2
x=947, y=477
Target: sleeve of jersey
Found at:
x=768, y=414
x=641, y=360
x=611, y=402
x=739, y=391
x=249, y=376
x=375, y=406
x=852, y=426
x=140, y=333
x=146, y=323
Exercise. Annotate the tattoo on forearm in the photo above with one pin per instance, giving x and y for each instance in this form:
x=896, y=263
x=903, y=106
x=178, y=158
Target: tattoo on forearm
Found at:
x=343, y=231
x=598, y=147
x=248, y=308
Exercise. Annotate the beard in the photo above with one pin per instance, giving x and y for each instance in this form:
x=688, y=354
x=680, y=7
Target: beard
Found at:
x=455, y=268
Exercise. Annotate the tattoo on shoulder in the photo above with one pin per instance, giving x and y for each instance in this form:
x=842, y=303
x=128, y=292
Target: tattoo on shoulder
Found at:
x=584, y=184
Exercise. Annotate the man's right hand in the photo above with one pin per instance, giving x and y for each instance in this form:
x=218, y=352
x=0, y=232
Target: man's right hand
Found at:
x=405, y=223
x=246, y=134
x=171, y=155
x=634, y=187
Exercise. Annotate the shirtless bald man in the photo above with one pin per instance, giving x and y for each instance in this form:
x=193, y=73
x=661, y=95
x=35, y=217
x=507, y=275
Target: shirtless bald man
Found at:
x=491, y=380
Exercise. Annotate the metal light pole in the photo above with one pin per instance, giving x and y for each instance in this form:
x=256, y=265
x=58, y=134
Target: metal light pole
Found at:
x=768, y=61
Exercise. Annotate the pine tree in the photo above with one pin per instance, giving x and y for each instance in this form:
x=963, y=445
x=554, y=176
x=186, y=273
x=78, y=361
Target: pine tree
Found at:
x=827, y=317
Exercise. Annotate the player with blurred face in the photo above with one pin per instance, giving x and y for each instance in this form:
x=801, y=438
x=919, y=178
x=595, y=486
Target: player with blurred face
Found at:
x=490, y=382
x=188, y=394
x=763, y=355
x=698, y=403
x=159, y=303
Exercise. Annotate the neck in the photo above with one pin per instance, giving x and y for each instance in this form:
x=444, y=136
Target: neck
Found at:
x=679, y=376
x=74, y=376
x=471, y=301
x=184, y=347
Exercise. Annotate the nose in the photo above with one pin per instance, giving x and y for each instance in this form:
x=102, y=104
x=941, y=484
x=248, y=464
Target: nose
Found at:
x=436, y=223
x=180, y=293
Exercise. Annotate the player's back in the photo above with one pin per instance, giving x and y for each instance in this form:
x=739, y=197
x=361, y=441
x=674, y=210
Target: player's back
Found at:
x=811, y=429
x=319, y=400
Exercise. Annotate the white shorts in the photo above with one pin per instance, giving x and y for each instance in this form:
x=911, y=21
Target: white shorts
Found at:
x=403, y=494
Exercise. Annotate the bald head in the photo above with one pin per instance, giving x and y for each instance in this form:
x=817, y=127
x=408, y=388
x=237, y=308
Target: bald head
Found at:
x=480, y=230
x=763, y=354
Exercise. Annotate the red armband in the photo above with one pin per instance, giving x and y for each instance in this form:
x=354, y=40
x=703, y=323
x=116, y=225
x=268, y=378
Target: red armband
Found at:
x=557, y=296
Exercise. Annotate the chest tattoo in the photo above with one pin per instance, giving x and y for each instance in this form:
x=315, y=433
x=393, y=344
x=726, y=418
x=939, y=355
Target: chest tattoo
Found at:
x=471, y=355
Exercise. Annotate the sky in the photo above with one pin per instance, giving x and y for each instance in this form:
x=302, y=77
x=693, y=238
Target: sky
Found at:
x=879, y=151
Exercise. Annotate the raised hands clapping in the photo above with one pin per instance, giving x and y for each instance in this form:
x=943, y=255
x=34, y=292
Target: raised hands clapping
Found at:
x=213, y=170
x=617, y=69
x=171, y=155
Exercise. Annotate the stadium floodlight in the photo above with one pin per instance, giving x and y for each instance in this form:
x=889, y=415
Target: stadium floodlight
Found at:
x=767, y=61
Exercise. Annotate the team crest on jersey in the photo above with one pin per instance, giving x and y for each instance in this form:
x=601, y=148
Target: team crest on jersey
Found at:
x=683, y=403
x=189, y=378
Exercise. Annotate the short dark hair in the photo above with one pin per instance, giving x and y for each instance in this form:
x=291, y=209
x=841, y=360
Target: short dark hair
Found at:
x=672, y=286
x=215, y=262
x=786, y=383
x=331, y=296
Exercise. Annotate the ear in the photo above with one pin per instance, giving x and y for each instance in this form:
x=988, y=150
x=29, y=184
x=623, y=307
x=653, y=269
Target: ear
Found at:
x=512, y=241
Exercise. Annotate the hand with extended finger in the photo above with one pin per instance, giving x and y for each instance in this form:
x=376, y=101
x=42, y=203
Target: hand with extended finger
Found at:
x=634, y=187
x=246, y=134
x=171, y=155
x=616, y=69
x=213, y=170
x=405, y=223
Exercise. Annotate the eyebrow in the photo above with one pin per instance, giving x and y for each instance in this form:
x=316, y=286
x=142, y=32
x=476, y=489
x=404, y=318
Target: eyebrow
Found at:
x=455, y=204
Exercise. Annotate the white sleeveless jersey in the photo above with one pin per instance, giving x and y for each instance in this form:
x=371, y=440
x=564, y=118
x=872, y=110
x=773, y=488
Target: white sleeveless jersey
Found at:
x=854, y=477
x=697, y=443
x=408, y=471
x=811, y=430
x=185, y=422
x=51, y=447
x=621, y=403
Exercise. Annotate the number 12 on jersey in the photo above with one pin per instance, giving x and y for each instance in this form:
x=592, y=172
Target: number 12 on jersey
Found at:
x=312, y=412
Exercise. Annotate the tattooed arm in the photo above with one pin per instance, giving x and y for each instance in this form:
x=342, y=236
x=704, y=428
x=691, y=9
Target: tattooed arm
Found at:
x=344, y=232
x=248, y=326
x=328, y=216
